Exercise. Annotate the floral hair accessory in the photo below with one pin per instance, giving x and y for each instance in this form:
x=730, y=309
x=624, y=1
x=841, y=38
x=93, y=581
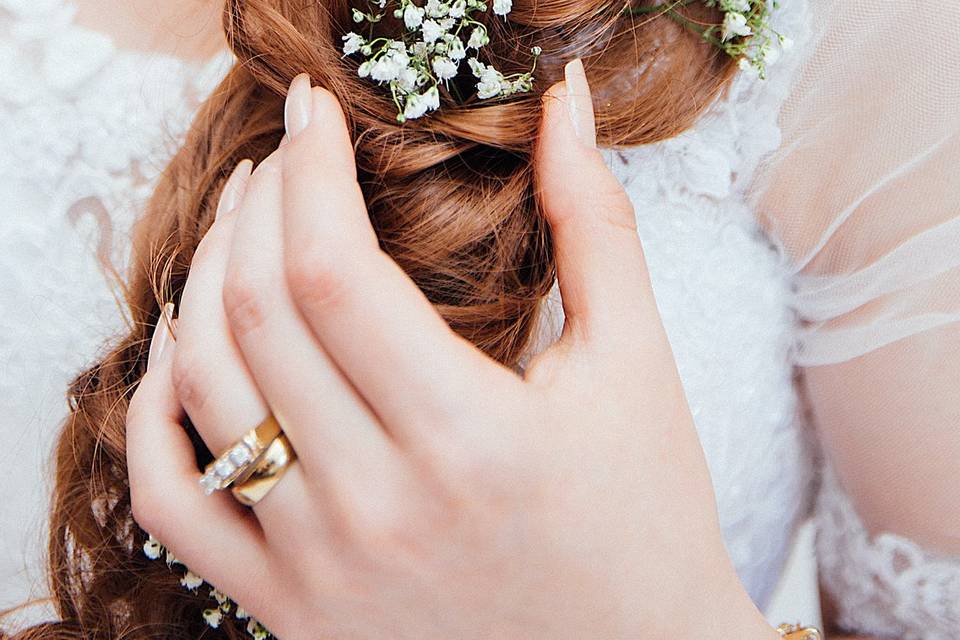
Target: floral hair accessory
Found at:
x=436, y=39
x=744, y=34
x=221, y=605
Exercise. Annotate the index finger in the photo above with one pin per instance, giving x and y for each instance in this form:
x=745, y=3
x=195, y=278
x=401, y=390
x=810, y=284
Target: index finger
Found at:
x=369, y=315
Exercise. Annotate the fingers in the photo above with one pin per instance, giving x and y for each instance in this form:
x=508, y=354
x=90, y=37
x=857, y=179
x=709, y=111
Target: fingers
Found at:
x=601, y=270
x=209, y=374
x=213, y=535
x=369, y=316
x=328, y=424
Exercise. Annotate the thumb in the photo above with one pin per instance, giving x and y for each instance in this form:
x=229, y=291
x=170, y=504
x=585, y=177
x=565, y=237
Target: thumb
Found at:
x=601, y=270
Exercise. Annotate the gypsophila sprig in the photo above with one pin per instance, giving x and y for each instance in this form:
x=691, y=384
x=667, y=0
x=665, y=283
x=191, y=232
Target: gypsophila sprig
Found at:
x=221, y=605
x=438, y=36
x=745, y=33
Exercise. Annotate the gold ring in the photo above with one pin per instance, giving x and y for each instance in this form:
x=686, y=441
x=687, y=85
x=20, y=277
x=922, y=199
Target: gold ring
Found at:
x=238, y=462
x=266, y=473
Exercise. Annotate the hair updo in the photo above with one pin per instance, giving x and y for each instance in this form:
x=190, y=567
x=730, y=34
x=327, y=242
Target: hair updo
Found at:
x=452, y=199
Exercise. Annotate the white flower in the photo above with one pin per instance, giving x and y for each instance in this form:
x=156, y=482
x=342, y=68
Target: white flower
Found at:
x=352, y=42
x=458, y=9
x=191, y=581
x=413, y=16
x=416, y=107
x=786, y=43
x=152, y=548
x=171, y=559
x=455, y=50
x=219, y=596
x=432, y=31
x=241, y=614
x=478, y=38
x=435, y=9
x=407, y=80
x=744, y=64
x=385, y=69
x=491, y=81
x=502, y=7
x=364, y=70
x=256, y=630
x=735, y=24
x=445, y=68
x=432, y=98
x=213, y=617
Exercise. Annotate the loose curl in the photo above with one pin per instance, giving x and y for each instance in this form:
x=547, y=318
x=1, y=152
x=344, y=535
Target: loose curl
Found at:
x=451, y=196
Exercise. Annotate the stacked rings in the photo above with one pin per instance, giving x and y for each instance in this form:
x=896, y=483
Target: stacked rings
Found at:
x=253, y=465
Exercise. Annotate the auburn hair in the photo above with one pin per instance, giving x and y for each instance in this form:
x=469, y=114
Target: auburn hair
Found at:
x=453, y=201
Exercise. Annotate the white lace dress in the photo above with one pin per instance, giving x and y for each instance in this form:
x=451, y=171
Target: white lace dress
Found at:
x=85, y=128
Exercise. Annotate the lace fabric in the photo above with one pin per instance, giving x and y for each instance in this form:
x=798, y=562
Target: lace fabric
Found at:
x=886, y=583
x=85, y=129
x=863, y=199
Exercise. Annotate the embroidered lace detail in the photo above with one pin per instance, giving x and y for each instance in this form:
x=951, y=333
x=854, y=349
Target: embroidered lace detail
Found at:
x=883, y=585
x=708, y=258
x=85, y=130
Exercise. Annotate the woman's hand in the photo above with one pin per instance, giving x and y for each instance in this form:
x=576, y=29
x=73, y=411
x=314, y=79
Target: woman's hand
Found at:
x=437, y=494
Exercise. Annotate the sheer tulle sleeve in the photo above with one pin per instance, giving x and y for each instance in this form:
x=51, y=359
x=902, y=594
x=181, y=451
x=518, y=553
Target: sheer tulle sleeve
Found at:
x=864, y=198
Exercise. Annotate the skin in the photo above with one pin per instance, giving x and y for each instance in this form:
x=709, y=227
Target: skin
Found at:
x=437, y=494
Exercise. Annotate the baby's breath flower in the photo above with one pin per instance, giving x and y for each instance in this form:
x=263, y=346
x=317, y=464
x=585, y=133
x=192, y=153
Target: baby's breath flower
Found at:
x=191, y=580
x=213, y=617
x=502, y=7
x=152, y=548
x=413, y=16
x=458, y=9
x=432, y=31
x=241, y=614
x=429, y=52
x=445, y=68
x=745, y=33
x=734, y=25
x=478, y=38
x=352, y=42
x=257, y=630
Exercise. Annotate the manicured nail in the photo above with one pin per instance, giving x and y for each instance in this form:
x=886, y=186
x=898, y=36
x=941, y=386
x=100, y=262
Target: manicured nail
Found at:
x=296, y=111
x=234, y=188
x=162, y=337
x=580, y=102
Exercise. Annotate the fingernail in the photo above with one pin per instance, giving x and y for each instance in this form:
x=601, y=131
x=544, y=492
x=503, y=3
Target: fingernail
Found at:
x=580, y=102
x=234, y=188
x=162, y=337
x=296, y=111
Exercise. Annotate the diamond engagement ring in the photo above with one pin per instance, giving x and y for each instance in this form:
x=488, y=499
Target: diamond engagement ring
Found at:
x=240, y=460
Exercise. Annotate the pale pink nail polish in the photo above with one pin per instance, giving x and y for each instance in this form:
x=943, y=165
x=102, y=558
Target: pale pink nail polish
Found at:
x=299, y=106
x=579, y=103
x=162, y=336
x=234, y=188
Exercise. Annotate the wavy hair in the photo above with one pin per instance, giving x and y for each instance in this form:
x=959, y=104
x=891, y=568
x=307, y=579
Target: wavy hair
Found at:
x=452, y=199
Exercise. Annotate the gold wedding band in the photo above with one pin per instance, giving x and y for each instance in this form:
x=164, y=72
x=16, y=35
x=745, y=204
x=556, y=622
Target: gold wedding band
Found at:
x=240, y=460
x=266, y=472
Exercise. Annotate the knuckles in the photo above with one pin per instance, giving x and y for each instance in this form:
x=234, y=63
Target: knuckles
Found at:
x=189, y=378
x=316, y=279
x=246, y=301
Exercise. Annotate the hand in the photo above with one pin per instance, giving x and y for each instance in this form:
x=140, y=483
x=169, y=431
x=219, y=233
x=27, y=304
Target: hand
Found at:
x=437, y=494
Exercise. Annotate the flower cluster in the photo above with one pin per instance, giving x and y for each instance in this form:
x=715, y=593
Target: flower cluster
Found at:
x=745, y=33
x=191, y=581
x=437, y=38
